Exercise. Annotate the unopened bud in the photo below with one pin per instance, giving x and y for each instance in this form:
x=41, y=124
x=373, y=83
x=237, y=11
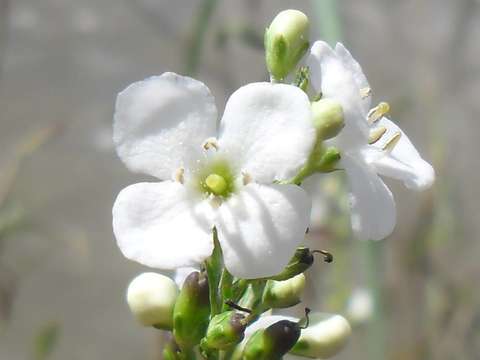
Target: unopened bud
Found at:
x=151, y=298
x=283, y=294
x=286, y=41
x=225, y=330
x=300, y=262
x=273, y=342
x=326, y=335
x=328, y=118
x=192, y=311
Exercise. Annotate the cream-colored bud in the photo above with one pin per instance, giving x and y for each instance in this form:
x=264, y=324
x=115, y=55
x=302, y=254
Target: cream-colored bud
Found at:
x=283, y=294
x=327, y=118
x=286, y=41
x=151, y=298
x=326, y=335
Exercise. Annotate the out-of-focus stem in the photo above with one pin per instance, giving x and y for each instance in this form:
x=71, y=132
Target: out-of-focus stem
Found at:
x=373, y=253
x=197, y=40
x=326, y=16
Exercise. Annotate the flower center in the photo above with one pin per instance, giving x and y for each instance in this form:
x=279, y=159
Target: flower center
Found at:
x=216, y=184
x=216, y=178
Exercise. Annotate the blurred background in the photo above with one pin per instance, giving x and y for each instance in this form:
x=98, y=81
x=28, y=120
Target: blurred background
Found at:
x=62, y=277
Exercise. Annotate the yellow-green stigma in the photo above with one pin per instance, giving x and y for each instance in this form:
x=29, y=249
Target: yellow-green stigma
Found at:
x=216, y=184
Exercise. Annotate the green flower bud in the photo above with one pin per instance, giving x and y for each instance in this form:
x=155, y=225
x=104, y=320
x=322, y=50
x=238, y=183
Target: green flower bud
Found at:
x=283, y=294
x=225, y=330
x=273, y=342
x=151, y=298
x=327, y=118
x=326, y=335
x=286, y=41
x=300, y=262
x=192, y=311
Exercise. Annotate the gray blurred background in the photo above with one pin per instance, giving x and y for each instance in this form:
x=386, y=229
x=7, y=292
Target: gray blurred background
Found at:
x=62, y=278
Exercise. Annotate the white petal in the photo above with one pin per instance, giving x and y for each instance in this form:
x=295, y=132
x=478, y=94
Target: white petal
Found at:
x=335, y=81
x=156, y=224
x=356, y=71
x=260, y=227
x=267, y=128
x=403, y=162
x=373, y=213
x=160, y=123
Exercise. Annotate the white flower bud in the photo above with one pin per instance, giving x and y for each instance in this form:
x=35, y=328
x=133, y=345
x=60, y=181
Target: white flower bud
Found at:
x=286, y=41
x=326, y=335
x=151, y=298
x=283, y=294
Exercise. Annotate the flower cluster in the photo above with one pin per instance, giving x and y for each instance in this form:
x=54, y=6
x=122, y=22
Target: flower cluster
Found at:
x=229, y=212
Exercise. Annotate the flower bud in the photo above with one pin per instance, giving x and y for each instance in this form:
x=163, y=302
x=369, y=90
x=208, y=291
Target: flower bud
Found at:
x=300, y=262
x=192, y=311
x=283, y=294
x=225, y=330
x=273, y=342
x=327, y=118
x=151, y=298
x=286, y=41
x=326, y=335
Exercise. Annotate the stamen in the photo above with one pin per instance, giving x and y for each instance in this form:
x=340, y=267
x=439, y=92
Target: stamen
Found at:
x=237, y=307
x=392, y=142
x=378, y=112
x=179, y=175
x=327, y=256
x=376, y=134
x=307, y=318
x=365, y=92
x=246, y=178
x=210, y=143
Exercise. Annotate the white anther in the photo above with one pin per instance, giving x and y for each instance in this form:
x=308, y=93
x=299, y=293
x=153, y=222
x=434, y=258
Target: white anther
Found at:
x=210, y=143
x=378, y=112
x=246, y=178
x=179, y=175
x=365, y=92
x=392, y=142
x=376, y=134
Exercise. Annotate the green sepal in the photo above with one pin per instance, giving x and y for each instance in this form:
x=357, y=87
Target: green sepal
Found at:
x=192, y=311
x=299, y=263
x=225, y=330
x=273, y=342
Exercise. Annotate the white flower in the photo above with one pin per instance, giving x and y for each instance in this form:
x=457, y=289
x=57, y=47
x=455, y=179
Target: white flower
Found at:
x=370, y=144
x=165, y=126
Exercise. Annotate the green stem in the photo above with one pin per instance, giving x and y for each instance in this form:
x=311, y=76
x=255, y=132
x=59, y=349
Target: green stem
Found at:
x=196, y=44
x=377, y=327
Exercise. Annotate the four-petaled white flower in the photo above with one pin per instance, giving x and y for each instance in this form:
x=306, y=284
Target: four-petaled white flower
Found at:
x=165, y=126
x=370, y=144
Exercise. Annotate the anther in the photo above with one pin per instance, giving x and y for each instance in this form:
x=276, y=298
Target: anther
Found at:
x=246, y=178
x=376, y=134
x=210, y=143
x=365, y=92
x=237, y=307
x=392, y=142
x=307, y=319
x=378, y=112
x=179, y=175
x=327, y=257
